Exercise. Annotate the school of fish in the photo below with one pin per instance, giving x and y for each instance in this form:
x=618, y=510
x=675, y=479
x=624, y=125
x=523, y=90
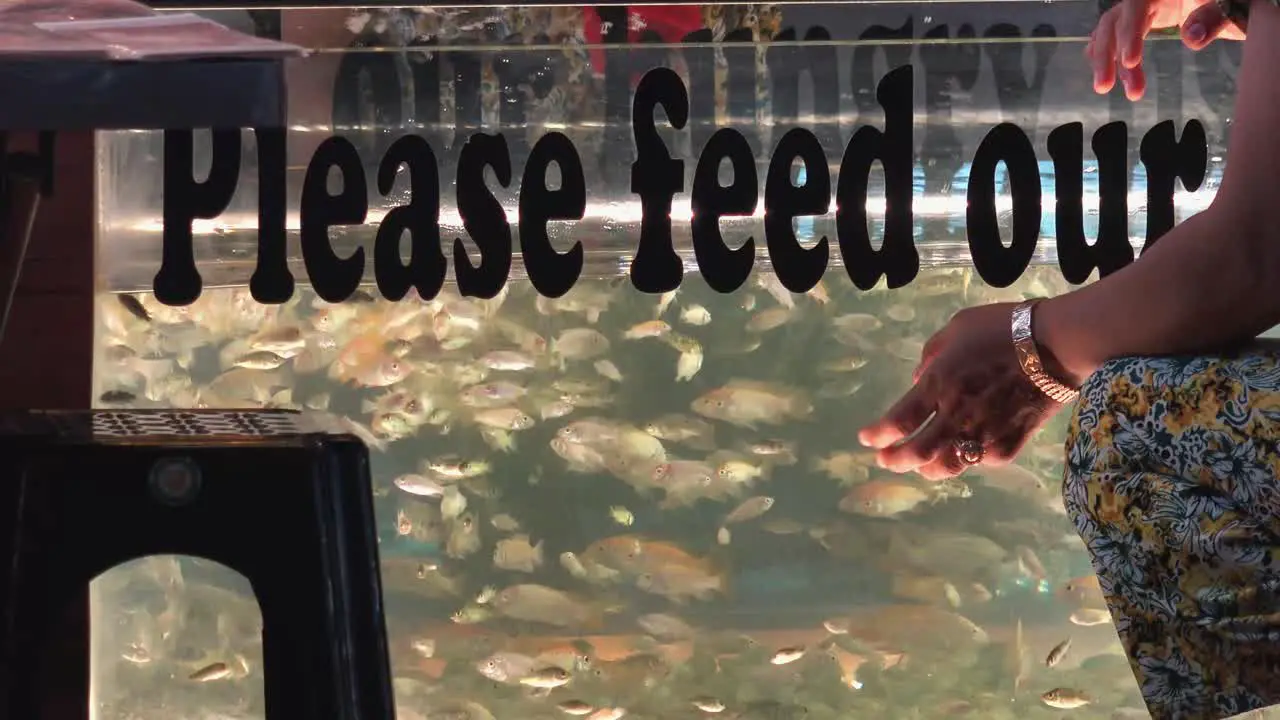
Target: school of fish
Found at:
x=612, y=504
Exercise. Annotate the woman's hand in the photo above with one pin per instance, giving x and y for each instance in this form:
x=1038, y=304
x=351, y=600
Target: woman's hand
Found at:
x=970, y=383
x=1115, y=46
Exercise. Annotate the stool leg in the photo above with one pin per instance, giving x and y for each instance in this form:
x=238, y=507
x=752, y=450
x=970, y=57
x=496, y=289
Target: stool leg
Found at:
x=300, y=529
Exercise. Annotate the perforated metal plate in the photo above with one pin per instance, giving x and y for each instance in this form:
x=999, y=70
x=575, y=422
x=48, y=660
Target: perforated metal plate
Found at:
x=139, y=423
x=87, y=425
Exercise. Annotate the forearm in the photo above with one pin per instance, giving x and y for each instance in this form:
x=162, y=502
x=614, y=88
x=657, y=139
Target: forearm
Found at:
x=1209, y=283
x=1213, y=280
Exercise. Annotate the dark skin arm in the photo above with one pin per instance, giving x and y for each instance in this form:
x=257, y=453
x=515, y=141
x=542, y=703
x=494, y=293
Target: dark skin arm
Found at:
x=1210, y=282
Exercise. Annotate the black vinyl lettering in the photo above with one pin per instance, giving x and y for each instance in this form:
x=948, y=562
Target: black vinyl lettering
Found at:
x=420, y=218
x=723, y=268
x=1166, y=158
x=483, y=217
x=997, y=265
x=334, y=279
x=1111, y=148
x=656, y=177
x=897, y=259
x=798, y=268
x=367, y=82
x=1076, y=258
x=551, y=273
x=178, y=281
x=271, y=283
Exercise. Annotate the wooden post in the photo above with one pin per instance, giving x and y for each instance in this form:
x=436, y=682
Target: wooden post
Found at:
x=46, y=361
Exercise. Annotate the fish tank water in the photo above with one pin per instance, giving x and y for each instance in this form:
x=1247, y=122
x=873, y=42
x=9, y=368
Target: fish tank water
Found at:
x=616, y=503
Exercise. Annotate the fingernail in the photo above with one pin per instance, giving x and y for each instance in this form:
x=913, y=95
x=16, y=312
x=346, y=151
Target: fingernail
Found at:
x=1196, y=32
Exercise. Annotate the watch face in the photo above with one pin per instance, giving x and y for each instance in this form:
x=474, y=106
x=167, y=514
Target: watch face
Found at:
x=1027, y=358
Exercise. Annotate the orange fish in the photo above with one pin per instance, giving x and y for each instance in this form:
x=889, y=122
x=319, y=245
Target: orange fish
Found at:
x=366, y=361
x=1083, y=591
x=884, y=498
x=902, y=627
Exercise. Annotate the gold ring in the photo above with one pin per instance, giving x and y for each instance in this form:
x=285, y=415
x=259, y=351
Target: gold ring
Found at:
x=970, y=452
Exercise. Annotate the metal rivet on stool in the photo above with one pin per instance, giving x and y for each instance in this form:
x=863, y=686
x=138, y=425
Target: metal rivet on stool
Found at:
x=175, y=481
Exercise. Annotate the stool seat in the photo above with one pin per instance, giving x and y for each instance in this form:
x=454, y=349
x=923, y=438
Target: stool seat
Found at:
x=289, y=509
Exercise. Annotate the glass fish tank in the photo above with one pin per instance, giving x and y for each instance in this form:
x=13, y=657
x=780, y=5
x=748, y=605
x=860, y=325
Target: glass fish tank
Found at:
x=636, y=502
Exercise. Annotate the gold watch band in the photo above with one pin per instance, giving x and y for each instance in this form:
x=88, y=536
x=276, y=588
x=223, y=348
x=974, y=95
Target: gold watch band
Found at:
x=1024, y=345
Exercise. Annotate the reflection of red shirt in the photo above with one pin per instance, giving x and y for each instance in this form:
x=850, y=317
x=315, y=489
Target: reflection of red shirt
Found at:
x=669, y=22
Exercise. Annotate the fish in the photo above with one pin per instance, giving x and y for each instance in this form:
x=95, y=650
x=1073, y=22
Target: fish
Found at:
x=1088, y=617
x=748, y=403
x=134, y=306
x=575, y=707
x=419, y=485
x=665, y=627
x=1083, y=591
x=695, y=315
x=749, y=509
x=647, y=329
x=622, y=516
x=767, y=320
x=504, y=418
x=688, y=364
x=787, y=655
x=506, y=667
x=579, y=344
x=260, y=360
x=548, y=481
x=464, y=537
x=508, y=360
x=1058, y=652
x=884, y=498
x=1065, y=698
x=909, y=627
x=516, y=553
x=211, y=672
x=708, y=704
x=546, y=678
x=539, y=603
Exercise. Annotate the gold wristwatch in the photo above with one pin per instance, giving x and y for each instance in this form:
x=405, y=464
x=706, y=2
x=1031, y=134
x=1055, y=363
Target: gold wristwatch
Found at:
x=1029, y=358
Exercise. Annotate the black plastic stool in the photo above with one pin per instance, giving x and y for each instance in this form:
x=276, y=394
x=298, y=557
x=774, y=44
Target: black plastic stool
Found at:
x=81, y=492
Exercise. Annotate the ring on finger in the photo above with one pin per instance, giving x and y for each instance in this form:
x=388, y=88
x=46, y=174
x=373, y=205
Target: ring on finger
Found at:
x=970, y=451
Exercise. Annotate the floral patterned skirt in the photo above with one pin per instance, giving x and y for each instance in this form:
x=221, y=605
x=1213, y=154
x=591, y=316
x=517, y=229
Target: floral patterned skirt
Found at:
x=1173, y=482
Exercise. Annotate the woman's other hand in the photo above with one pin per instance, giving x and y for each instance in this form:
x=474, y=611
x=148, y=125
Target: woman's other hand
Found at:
x=968, y=387
x=1115, y=46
